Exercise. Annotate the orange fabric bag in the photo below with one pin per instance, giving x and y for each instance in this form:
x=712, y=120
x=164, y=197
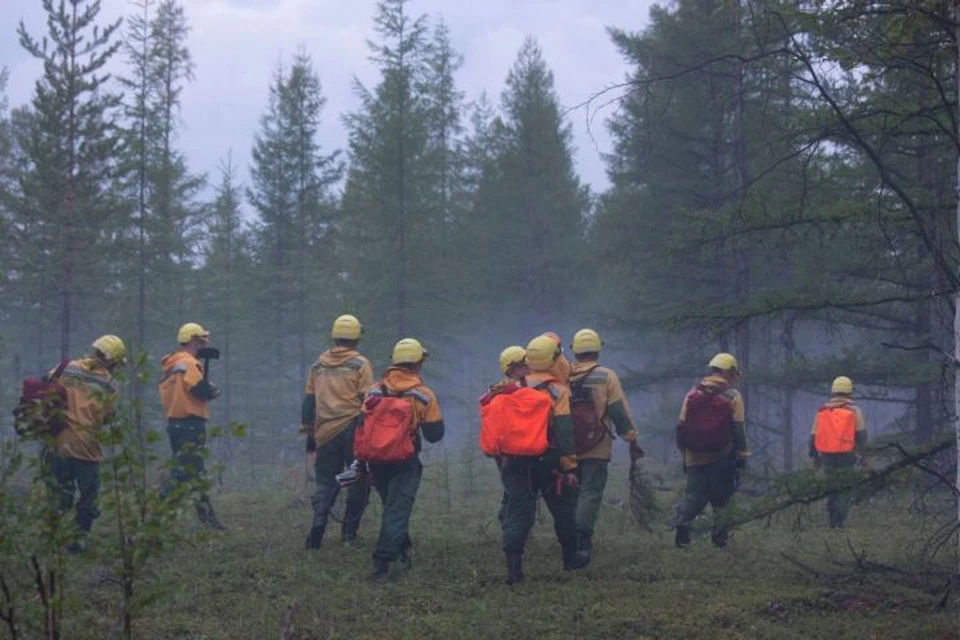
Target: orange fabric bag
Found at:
x=387, y=431
x=514, y=422
x=836, y=430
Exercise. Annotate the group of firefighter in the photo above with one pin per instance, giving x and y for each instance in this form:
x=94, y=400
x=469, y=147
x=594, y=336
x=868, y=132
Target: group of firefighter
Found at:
x=549, y=423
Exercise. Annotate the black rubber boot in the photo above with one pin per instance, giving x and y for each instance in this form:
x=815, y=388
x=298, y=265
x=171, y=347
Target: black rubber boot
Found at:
x=315, y=537
x=207, y=517
x=514, y=568
x=719, y=537
x=573, y=559
x=585, y=545
x=681, y=536
x=381, y=569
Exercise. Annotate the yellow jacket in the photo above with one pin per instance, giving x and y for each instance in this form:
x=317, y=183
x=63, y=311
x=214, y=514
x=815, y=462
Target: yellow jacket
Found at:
x=91, y=398
x=181, y=372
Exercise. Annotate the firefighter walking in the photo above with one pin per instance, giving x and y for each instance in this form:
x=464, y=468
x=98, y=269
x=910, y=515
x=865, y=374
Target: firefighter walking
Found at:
x=331, y=409
x=713, y=440
x=72, y=460
x=598, y=406
x=837, y=440
x=396, y=411
x=185, y=392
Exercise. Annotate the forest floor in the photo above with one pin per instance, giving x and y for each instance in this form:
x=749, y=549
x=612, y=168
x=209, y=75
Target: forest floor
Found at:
x=790, y=578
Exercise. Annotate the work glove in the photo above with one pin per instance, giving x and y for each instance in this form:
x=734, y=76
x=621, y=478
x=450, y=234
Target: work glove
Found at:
x=636, y=451
x=568, y=463
x=568, y=478
x=311, y=443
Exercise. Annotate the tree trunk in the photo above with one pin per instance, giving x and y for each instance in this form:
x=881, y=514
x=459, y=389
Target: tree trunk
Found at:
x=956, y=301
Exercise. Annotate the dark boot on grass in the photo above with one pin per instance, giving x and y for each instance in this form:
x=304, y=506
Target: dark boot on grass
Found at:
x=573, y=559
x=381, y=570
x=514, y=568
x=681, y=536
x=585, y=545
x=207, y=517
x=315, y=537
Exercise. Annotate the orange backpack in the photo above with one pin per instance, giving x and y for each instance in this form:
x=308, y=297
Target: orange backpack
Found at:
x=514, y=421
x=387, y=431
x=836, y=429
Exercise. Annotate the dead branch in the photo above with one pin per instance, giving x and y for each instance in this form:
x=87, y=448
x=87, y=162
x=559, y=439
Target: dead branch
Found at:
x=874, y=480
x=286, y=621
x=8, y=615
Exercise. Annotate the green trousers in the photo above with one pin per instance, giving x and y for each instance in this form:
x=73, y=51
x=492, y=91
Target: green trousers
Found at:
x=332, y=458
x=525, y=478
x=66, y=477
x=837, y=467
x=397, y=484
x=188, y=437
x=712, y=484
x=593, y=481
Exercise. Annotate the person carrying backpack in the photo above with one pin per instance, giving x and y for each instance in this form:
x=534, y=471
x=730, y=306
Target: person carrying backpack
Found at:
x=839, y=435
x=530, y=428
x=513, y=367
x=72, y=456
x=712, y=438
x=596, y=403
x=396, y=411
x=332, y=403
x=185, y=393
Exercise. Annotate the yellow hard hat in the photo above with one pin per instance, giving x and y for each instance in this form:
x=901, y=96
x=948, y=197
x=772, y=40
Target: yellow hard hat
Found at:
x=511, y=356
x=724, y=362
x=842, y=384
x=346, y=327
x=190, y=331
x=112, y=348
x=586, y=341
x=542, y=351
x=408, y=351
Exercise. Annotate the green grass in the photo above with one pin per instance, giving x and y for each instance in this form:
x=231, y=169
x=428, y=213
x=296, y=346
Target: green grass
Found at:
x=238, y=584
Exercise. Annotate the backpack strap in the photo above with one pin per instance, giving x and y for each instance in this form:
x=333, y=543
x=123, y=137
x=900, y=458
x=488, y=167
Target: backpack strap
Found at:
x=582, y=376
x=55, y=375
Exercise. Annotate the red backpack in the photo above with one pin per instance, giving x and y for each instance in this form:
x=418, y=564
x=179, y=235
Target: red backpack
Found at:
x=588, y=430
x=387, y=431
x=514, y=421
x=42, y=406
x=836, y=429
x=707, y=426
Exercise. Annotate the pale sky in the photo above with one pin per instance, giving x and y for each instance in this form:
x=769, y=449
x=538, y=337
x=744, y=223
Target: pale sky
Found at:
x=237, y=44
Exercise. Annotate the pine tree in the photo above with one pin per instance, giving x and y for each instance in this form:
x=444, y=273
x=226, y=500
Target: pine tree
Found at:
x=71, y=142
x=387, y=243
x=290, y=190
x=532, y=205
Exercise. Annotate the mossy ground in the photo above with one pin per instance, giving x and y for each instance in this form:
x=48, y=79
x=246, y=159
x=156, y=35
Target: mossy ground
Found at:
x=238, y=584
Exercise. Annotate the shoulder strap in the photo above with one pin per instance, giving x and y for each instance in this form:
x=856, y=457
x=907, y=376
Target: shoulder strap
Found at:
x=582, y=376
x=58, y=371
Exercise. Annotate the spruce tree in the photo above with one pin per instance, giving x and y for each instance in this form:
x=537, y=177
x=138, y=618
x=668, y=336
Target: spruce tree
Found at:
x=71, y=143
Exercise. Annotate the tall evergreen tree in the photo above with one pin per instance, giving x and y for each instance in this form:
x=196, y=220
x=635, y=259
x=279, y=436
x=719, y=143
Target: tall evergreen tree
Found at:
x=387, y=240
x=533, y=204
x=71, y=142
x=290, y=190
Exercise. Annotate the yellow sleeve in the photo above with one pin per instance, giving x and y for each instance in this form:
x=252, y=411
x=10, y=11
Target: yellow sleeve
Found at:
x=366, y=376
x=193, y=374
x=561, y=407
x=861, y=423
x=739, y=413
x=309, y=389
x=432, y=411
